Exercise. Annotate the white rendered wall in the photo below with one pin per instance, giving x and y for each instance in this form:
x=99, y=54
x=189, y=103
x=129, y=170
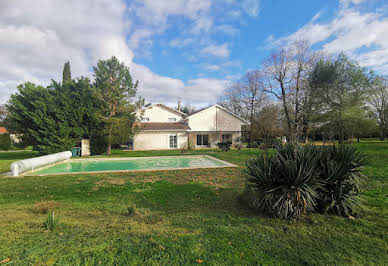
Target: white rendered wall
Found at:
x=214, y=119
x=157, y=140
x=158, y=114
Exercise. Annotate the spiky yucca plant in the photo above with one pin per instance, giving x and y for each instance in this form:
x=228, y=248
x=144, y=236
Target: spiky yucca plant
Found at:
x=300, y=179
x=342, y=178
x=285, y=184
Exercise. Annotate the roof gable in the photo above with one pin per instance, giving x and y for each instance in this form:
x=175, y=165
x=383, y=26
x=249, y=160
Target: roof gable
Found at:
x=172, y=110
x=222, y=108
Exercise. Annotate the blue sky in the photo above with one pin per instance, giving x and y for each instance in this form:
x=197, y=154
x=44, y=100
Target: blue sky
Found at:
x=180, y=48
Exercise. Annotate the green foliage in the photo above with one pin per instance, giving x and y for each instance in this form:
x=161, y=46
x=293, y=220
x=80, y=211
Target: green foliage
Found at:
x=35, y=112
x=98, y=142
x=52, y=222
x=54, y=119
x=341, y=86
x=114, y=91
x=302, y=179
x=285, y=185
x=224, y=146
x=5, y=142
x=66, y=77
x=340, y=168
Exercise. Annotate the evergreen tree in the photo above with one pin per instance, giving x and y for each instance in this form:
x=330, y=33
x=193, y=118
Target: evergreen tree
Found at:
x=115, y=90
x=342, y=84
x=66, y=73
x=35, y=113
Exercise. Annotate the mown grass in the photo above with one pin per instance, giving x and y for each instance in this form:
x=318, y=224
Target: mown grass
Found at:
x=180, y=217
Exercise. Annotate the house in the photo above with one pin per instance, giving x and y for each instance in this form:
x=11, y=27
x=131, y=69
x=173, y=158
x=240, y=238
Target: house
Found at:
x=161, y=127
x=15, y=138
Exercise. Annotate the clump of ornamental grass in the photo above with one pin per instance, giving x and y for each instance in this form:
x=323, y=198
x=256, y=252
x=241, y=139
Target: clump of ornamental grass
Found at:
x=52, y=222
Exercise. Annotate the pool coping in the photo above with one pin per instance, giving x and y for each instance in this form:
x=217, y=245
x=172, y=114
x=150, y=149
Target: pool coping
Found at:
x=227, y=165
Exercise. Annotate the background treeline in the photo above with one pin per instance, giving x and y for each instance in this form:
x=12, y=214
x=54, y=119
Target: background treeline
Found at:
x=303, y=94
x=57, y=117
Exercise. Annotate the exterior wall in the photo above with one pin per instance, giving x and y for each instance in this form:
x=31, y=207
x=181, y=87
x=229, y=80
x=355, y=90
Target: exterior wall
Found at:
x=158, y=114
x=214, y=119
x=157, y=140
x=214, y=138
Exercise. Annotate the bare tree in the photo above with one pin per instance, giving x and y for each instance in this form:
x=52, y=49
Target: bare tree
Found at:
x=379, y=104
x=247, y=96
x=286, y=72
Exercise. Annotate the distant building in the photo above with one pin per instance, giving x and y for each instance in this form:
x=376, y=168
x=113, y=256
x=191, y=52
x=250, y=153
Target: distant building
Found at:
x=162, y=127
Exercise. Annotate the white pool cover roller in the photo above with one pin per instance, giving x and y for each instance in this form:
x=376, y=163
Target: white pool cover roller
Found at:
x=33, y=163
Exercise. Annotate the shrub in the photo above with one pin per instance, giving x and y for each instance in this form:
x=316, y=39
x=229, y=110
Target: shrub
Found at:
x=98, y=143
x=51, y=222
x=185, y=147
x=285, y=184
x=5, y=142
x=342, y=179
x=224, y=146
x=238, y=143
x=271, y=142
x=301, y=179
x=253, y=144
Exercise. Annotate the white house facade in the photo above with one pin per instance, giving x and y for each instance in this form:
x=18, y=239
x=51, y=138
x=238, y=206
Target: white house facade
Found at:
x=161, y=127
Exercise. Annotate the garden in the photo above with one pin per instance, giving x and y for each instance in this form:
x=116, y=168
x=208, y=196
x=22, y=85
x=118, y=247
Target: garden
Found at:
x=198, y=215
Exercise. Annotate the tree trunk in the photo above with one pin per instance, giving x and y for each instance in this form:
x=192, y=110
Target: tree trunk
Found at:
x=289, y=124
x=382, y=133
x=109, y=148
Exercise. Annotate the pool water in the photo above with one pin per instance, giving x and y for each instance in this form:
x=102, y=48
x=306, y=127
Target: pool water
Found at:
x=127, y=164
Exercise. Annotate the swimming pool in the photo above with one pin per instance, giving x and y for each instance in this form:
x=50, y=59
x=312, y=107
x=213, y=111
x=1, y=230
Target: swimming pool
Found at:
x=102, y=165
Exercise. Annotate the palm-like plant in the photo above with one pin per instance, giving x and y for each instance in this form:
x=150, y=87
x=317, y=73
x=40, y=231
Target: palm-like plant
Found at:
x=285, y=184
x=341, y=173
x=300, y=179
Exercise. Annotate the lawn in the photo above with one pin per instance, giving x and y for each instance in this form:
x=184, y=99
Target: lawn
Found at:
x=181, y=217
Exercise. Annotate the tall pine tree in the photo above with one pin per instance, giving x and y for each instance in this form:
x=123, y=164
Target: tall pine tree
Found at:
x=66, y=73
x=115, y=90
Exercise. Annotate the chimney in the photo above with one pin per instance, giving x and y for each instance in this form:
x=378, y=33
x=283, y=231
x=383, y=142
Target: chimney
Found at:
x=179, y=105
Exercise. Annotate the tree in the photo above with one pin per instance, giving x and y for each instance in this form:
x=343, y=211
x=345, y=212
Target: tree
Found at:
x=285, y=75
x=246, y=97
x=114, y=89
x=34, y=112
x=267, y=123
x=343, y=84
x=66, y=73
x=378, y=103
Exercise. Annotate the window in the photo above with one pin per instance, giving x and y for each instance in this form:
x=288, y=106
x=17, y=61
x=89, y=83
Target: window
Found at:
x=202, y=140
x=226, y=137
x=173, y=142
x=146, y=119
x=172, y=120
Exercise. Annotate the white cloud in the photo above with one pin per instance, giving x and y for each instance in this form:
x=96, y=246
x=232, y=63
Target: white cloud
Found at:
x=179, y=43
x=364, y=36
x=251, y=7
x=216, y=50
x=346, y=3
x=227, y=29
x=35, y=42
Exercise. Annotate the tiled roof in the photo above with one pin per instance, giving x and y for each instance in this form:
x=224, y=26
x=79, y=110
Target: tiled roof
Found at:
x=3, y=130
x=164, y=126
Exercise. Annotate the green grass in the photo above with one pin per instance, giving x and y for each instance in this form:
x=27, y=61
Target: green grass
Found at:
x=181, y=216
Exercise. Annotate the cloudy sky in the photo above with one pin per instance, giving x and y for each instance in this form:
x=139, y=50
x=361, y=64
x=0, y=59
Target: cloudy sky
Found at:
x=179, y=48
